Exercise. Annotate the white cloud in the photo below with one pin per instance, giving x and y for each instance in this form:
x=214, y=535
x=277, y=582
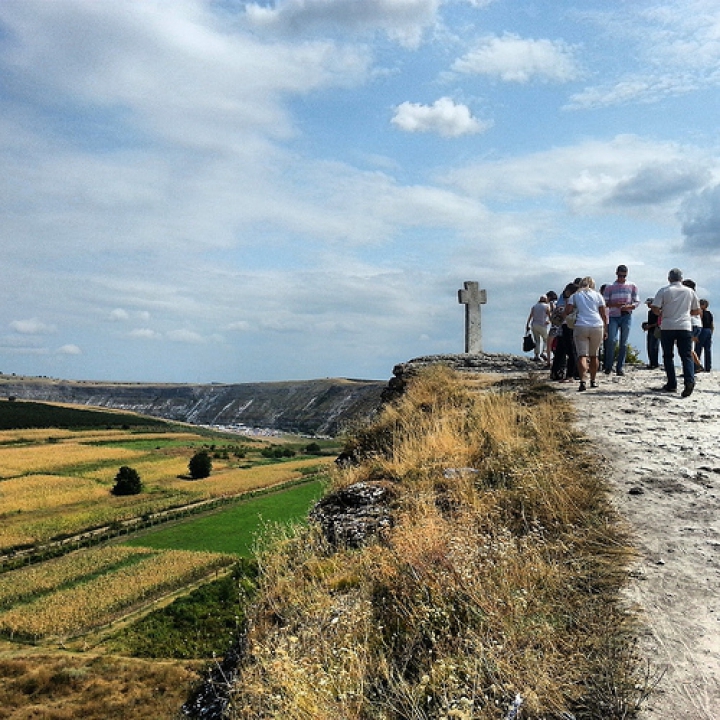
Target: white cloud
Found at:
x=119, y=314
x=515, y=59
x=168, y=68
x=33, y=326
x=595, y=176
x=144, y=333
x=443, y=117
x=401, y=20
x=642, y=88
x=184, y=336
x=69, y=350
x=675, y=47
x=700, y=217
x=239, y=325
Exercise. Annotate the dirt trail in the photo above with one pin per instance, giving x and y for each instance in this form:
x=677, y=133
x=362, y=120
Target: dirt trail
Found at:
x=663, y=458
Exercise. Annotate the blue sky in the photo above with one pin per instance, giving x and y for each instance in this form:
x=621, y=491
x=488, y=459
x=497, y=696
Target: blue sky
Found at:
x=199, y=191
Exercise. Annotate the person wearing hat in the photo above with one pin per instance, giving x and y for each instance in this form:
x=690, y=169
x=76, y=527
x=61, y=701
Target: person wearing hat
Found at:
x=652, y=342
x=621, y=298
x=676, y=304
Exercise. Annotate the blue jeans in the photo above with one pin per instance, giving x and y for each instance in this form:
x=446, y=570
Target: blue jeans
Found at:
x=653, y=348
x=621, y=323
x=683, y=338
x=704, y=348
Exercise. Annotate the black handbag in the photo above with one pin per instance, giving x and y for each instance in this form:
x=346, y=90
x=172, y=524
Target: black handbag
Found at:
x=528, y=343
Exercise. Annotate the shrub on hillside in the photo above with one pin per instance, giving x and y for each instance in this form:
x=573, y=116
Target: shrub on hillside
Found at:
x=200, y=465
x=127, y=482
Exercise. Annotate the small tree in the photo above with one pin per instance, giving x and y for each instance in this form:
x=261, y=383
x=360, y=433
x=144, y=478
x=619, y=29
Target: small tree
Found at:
x=200, y=465
x=127, y=482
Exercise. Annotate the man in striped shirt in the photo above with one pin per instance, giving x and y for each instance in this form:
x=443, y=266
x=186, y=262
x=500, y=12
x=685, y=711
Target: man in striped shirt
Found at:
x=621, y=299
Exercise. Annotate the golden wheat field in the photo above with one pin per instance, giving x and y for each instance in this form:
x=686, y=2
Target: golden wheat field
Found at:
x=19, y=585
x=89, y=602
x=49, y=458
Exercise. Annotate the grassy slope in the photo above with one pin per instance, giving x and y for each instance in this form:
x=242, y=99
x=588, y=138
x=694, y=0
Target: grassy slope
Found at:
x=495, y=586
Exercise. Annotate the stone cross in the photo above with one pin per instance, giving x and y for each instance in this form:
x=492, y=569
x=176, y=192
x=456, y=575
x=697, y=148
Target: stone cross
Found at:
x=472, y=299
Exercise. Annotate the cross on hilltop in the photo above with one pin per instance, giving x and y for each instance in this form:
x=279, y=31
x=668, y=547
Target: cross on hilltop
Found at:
x=472, y=298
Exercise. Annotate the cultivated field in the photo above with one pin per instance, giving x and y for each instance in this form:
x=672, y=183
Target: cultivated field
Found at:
x=79, y=592
x=55, y=484
x=80, y=568
x=55, y=495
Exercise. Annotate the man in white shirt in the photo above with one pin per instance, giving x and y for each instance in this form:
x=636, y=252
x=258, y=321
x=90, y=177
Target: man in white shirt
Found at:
x=676, y=304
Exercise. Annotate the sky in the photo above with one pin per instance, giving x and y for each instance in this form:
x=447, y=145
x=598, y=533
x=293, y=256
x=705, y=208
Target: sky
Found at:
x=201, y=191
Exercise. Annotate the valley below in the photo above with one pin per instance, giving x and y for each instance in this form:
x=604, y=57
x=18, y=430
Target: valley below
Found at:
x=311, y=407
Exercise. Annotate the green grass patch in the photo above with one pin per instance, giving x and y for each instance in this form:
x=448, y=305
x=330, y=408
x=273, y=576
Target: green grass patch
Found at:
x=201, y=624
x=234, y=529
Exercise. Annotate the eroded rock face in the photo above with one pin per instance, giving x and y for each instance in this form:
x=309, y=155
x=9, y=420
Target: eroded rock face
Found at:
x=352, y=515
x=212, y=698
x=312, y=407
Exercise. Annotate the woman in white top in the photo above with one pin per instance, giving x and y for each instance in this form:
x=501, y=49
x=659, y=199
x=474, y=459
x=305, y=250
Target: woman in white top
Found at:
x=591, y=327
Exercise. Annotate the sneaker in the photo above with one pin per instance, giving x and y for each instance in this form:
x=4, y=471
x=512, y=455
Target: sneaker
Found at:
x=607, y=371
x=668, y=388
x=582, y=387
x=687, y=391
x=621, y=373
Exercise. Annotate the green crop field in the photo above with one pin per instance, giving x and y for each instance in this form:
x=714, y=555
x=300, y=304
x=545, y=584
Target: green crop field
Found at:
x=26, y=414
x=234, y=529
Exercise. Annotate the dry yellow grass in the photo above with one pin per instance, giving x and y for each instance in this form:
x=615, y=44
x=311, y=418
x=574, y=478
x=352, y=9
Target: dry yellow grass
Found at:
x=69, y=687
x=497, y=580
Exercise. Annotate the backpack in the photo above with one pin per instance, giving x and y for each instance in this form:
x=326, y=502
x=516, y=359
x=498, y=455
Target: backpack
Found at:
x=557, y=316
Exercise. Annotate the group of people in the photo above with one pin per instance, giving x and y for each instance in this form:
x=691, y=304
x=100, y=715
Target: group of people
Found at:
x=574, y=331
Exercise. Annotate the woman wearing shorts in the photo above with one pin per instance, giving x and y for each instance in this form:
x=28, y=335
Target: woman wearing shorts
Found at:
x=591, y=327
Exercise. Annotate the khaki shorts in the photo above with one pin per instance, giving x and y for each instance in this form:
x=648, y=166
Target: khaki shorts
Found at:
x=588, y=340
